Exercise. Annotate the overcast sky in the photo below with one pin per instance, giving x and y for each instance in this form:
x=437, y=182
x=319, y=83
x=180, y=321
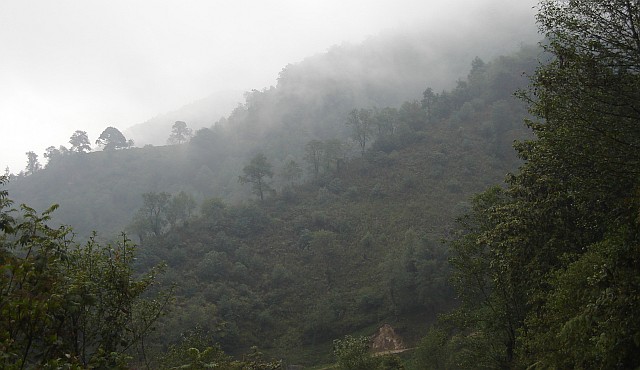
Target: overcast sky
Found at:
x=88, y=64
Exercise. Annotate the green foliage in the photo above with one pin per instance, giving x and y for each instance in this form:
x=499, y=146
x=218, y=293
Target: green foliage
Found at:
x=590, y=318
x=543, y=268
x=333, y=257
x=432, y=351
x=353, y=353
x=195, y=352
x=69, y=305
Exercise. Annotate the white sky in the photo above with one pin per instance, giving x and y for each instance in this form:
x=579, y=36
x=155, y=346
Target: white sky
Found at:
x=88, y=64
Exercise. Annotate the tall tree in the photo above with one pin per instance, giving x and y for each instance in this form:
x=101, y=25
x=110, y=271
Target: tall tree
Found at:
x=180, y=208
x=552, y=266
x=154, y=207
x=33, y=165
x=112, y=139
x=361, y=127
x=588, y=100
x=313, y=153
x=180, y=133
x=255, y=173
x=80, y=142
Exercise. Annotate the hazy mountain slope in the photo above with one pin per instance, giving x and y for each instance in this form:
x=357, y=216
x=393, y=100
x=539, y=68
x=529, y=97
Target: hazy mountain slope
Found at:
x=199, y=114
x=359, y=246
x=336, y=254
x=102, y=190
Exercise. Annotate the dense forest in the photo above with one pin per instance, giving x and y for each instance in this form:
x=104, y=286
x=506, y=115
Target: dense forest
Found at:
x=288, y=232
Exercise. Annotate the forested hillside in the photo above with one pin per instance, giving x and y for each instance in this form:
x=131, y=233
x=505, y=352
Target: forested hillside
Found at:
x=102, y=190
x=342, y=234
x=199, y=114
x=297, y=226
x=547, y=268
x=355, y=244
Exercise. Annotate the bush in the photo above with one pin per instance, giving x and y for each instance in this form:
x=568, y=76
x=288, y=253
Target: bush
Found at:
x=353, y=353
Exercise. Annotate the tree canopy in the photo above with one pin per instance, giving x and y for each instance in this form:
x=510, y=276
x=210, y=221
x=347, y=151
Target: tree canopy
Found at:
x=80, y=142
x=112, y=139
x=33, y=165
x=544, y=267
x=180, y=133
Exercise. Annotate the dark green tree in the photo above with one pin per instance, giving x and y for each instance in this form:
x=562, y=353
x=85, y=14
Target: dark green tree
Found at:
x=255, y=173
x=587, y=100
x=354, y=353
x=547, y=265
x=66, y=305
x=80, y=142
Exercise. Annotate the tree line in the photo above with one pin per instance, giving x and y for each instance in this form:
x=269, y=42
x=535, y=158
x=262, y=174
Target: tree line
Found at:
x=110, y=139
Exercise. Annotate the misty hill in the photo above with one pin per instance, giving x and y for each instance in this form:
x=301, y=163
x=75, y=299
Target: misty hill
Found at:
x=102, y=190
x=332, y=252
x=384, y=70
x=357, y=246
x=199, y=114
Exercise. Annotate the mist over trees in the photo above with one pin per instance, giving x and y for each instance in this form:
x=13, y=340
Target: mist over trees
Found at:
x=180, y=133
x=334, y=214
x=316, y=211
x=278, y=121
